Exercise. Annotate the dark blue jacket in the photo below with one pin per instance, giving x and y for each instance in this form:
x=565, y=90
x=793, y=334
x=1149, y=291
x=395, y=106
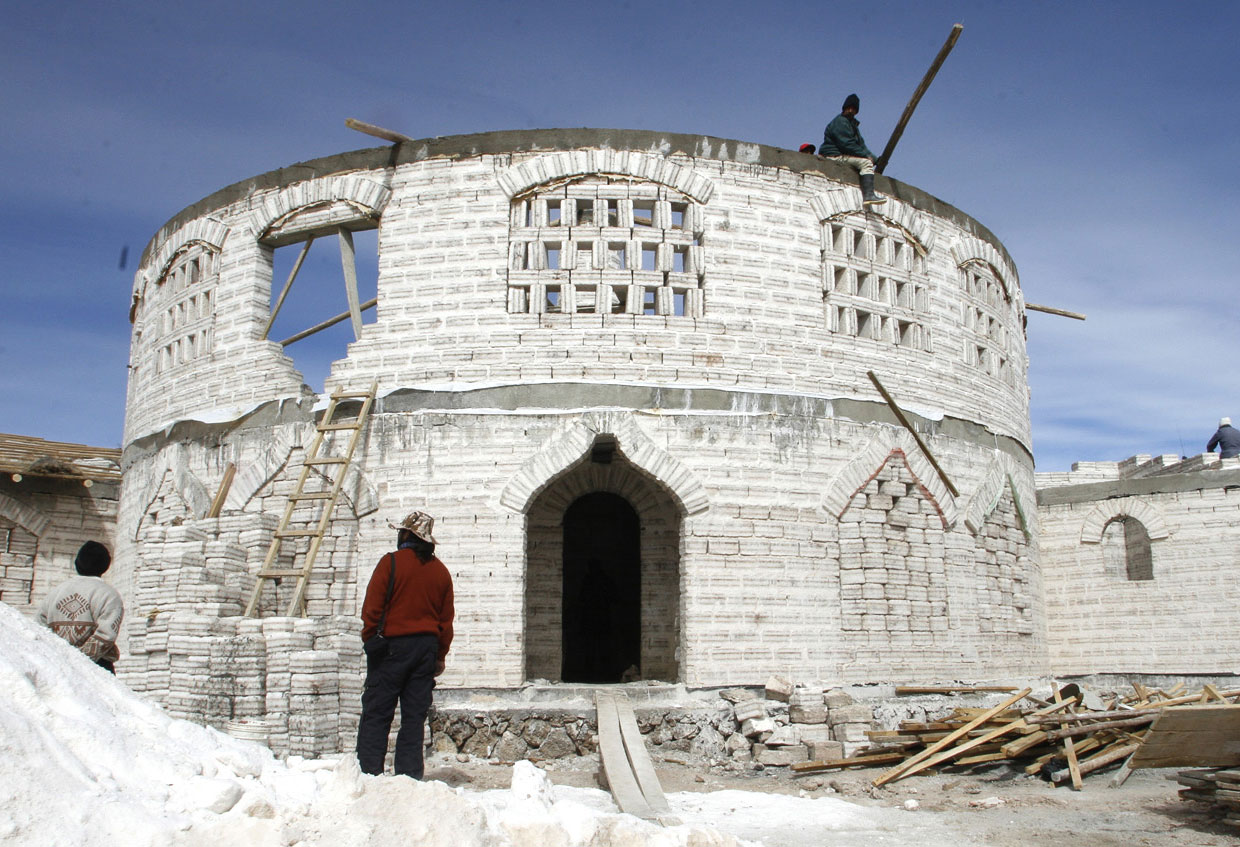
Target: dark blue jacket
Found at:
x=1228, y=439
x=843, y=138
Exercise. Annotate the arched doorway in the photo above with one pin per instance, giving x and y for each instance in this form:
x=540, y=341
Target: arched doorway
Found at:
x=601, y=590
x=605, y=509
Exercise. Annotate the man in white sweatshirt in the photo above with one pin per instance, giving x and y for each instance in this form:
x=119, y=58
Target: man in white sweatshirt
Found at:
x=85, y=610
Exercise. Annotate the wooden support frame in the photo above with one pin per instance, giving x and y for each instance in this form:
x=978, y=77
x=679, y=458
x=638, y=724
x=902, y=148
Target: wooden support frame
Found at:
x=275, y=310
x=348, y=263
x=900, y=416
x=327, y=324
x=881, y=163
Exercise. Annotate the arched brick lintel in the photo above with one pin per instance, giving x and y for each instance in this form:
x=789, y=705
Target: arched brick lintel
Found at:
x=858, y=472
x=27, y=517
x=553, y=167
x=1124, y=507
x=567, y=449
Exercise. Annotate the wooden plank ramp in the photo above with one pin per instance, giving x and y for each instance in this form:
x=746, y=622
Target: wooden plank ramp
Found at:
x=626, y=763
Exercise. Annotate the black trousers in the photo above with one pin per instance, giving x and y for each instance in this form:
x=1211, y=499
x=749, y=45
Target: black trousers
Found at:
x=406, y=674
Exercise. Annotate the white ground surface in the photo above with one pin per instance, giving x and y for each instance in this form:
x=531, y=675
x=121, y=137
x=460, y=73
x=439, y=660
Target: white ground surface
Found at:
x=84, y=762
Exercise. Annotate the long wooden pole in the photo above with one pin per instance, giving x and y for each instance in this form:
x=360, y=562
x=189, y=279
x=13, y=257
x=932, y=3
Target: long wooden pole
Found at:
x=1063, y=313
x=881, y=164
x=330, y=322
x=275, y=310
x=376, y=131
x=909, y=426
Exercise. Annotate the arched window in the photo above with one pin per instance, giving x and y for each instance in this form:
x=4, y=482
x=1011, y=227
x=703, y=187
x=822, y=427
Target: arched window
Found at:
x=605, y=244
x=989, y=319
x=1126, y=549
x=185, y=300
x=874, y=283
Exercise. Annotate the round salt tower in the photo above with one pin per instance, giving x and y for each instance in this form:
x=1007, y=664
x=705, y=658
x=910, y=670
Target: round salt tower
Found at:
x=629, y=375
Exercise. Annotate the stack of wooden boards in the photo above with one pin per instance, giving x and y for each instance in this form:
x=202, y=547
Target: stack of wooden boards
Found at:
x=1056, y=738
x=1214, y=786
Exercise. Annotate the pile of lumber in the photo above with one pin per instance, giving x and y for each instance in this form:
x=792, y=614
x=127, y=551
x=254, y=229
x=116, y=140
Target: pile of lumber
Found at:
x=1056, y=738
x=1215, y=786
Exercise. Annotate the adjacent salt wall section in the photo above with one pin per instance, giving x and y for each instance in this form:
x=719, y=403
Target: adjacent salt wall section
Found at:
x=1141, y=561
x=627, y=373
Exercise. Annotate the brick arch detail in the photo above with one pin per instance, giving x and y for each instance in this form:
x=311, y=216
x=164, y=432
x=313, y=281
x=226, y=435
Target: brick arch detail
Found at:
x=1124, y=507
x=254, y=476
x=27, y=517
x=842, y=202
x=367, y=197
x=556, y=167
x=566, y=449
x=870, y=461
x=969, y=249
x=208, y=231
x=1001, y=473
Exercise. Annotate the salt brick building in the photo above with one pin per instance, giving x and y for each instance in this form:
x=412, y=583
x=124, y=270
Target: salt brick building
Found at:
x=612, y=364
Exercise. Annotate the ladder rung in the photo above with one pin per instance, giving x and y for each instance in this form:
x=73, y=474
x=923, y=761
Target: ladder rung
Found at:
x=327, y=460
x=338, y=426
x=348, y=395
x=312, y=495
x=279, y=574
x=297, y=533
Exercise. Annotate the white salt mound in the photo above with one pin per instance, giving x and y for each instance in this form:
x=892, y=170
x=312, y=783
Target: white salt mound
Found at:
x=85, y=762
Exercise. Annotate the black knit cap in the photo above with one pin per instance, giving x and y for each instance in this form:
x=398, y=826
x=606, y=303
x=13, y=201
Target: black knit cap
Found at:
x=852, y=100
x=93, y=559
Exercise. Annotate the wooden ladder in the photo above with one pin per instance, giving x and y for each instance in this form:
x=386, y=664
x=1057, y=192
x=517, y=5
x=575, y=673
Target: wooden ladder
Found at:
x=315, y=460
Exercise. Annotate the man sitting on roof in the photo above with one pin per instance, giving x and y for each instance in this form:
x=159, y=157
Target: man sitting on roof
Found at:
x=1227, y=439
x=842, y=141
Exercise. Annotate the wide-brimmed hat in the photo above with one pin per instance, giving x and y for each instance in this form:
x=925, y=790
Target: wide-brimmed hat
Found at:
x=420, y=524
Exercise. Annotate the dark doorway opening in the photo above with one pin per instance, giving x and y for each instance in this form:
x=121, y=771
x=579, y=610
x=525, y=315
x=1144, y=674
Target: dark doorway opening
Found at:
x=602, y=590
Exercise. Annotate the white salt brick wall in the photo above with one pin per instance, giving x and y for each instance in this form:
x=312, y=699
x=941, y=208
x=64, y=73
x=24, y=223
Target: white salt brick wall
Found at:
x=1180, y=622
x=443, y=248
x=744, y=560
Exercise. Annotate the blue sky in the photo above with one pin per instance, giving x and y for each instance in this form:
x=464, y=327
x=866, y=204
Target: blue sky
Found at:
x=1097, y=141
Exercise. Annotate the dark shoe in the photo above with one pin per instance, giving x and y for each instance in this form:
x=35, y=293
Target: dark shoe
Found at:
x=868, y=197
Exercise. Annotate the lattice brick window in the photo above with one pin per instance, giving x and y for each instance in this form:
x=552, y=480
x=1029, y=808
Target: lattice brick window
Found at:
x=989, y=318
x=606, y=245
x=874, y=283
x=892, y=560
x=183, y=310
x=17, y=554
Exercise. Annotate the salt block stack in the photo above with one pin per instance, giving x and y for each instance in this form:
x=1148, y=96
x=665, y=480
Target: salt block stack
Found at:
x=793, y=723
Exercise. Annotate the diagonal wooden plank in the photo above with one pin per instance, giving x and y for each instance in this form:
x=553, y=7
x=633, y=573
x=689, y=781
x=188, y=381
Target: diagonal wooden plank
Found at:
x=639, y=757
x=615, y=760
x=899, y=770
x=349, y=266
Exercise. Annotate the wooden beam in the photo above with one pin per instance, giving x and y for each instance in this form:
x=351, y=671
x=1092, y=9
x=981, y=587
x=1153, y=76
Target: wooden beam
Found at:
x=349, y=265
x=1074, y=769
x=909, y=426
x=217, y=504
x=330, y=322
x=376, y=131
x=881, y=163
x=275, y=310
x=1063, y=313
x=909, y=764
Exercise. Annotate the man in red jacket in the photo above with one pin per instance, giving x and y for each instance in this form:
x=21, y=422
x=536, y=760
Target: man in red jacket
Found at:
x=406, y=632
